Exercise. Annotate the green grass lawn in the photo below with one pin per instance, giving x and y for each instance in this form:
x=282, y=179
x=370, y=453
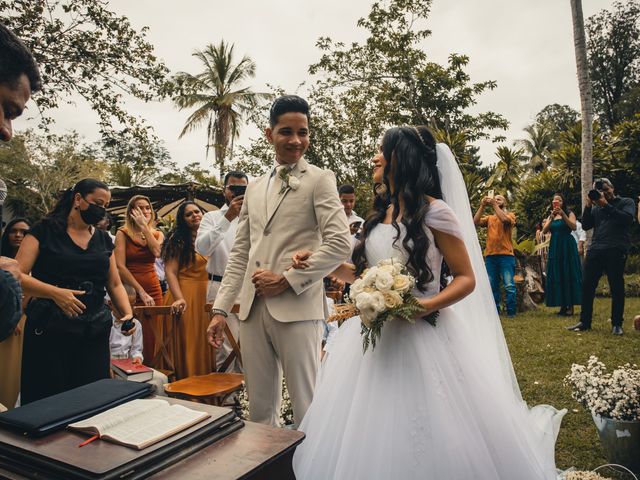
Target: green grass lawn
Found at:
x=543, y=351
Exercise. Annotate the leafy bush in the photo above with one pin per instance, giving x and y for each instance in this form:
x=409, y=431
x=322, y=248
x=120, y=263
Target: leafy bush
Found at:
x=631, y=286
x=633, y=264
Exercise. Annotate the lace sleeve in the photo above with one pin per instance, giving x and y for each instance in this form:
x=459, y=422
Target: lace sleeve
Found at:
x=440, y=217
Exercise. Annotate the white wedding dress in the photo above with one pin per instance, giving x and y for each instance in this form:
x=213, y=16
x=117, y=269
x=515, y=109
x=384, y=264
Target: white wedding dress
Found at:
x=429, y=403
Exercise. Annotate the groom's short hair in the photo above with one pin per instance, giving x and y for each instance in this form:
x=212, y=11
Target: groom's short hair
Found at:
x=16, y=59
x=287, y=104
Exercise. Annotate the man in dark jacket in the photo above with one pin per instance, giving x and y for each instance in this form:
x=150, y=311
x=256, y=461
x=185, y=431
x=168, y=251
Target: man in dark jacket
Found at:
x=611, y=217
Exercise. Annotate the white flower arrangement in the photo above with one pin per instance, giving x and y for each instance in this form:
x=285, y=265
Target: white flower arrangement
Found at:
x=613, y=394
x=288, y=181
x=286, y=408
x=381, y=294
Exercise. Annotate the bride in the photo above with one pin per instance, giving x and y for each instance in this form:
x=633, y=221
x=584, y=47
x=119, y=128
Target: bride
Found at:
x=428, y=402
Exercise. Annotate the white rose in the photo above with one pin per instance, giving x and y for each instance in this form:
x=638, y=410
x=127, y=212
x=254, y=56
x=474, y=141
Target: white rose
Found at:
x=386, y=268
x=363, y=301
x=392, y=299
x=369, y=276
x=397, y=268
x=377, y=301
x=367, y=317
x=294, y=182
x=357, y=288
x=402, y=283
x=384, y=281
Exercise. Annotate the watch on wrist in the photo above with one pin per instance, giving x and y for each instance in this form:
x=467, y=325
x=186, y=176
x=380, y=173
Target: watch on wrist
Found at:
x=219, y=311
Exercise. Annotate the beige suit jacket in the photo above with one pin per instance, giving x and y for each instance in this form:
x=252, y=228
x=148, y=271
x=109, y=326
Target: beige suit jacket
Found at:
x=310, y=217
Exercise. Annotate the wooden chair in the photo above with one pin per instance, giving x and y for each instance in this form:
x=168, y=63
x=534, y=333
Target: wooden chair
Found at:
x=213, y=388
x=335, y=295
x=167, y=340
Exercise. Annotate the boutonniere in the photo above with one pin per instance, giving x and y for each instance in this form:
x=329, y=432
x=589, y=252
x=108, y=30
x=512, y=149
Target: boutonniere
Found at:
x=288, y=181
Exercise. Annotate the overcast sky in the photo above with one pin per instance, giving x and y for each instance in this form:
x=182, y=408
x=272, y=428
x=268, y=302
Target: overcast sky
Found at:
x=526, y=46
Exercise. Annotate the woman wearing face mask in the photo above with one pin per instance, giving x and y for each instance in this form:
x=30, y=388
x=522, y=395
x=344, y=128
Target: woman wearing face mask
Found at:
x=71, y=262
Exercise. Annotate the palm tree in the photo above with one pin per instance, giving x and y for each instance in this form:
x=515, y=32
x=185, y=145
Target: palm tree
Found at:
x=221, y=103
x=508, y=171
x=586, y=101
x=538, y=146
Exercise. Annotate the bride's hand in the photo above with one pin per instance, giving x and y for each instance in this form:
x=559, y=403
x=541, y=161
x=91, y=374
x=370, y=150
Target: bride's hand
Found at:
x=300, y=259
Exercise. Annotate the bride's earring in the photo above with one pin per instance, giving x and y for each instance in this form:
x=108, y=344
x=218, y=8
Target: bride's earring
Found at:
x=380, y=189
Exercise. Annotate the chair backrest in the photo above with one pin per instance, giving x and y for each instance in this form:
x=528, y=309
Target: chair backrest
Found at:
x=335, y=295
x=235, y=345
x=168, y=336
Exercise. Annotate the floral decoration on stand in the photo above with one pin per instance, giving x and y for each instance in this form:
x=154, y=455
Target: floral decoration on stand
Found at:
x=288, y=180
x=286, y=408
x=613, y=394
x=382, y=294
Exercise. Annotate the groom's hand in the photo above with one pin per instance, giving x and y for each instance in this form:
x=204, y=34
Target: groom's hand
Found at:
x=269, y=284
x=215, y=330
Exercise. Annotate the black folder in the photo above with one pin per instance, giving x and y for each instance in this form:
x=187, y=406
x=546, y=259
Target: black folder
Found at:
x=44, y=416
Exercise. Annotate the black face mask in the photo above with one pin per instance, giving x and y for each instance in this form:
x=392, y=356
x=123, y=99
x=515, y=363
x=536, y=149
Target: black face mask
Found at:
x=93, y=214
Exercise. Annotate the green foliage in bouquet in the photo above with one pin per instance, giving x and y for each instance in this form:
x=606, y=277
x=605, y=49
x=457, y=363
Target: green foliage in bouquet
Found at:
x=407, y=311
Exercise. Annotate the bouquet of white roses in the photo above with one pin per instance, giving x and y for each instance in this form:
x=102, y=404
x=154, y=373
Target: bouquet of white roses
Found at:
x=613, y=394
x=381, y=294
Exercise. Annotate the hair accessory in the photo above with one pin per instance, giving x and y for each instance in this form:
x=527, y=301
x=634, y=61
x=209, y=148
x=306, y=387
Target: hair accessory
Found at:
x=420, y=137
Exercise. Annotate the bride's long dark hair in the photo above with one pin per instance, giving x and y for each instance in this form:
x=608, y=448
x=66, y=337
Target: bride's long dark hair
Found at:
x=410, y=153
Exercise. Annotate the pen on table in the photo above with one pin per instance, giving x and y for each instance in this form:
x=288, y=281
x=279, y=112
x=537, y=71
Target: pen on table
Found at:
x=95, y=437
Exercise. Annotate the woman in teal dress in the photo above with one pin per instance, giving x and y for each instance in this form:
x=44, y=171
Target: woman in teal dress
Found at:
x=564, y=271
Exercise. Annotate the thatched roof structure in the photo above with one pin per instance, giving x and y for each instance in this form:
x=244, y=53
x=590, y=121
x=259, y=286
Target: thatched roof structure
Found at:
x=166, y=198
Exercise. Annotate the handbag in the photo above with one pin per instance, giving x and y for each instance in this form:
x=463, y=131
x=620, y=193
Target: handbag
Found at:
x=46, y=317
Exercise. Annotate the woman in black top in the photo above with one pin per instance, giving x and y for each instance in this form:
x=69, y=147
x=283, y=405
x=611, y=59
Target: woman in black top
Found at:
x=66, y=342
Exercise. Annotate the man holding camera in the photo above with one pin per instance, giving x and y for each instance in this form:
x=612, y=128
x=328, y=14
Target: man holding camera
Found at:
x=214, y=240
x=610, y=216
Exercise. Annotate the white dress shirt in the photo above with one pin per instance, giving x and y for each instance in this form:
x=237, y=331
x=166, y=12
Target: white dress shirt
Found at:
x=215, y=239
x=123, y=346
x=579, y=234
x=354, y=218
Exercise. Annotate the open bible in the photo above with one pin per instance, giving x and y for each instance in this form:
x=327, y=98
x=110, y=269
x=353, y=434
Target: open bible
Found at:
x=140, y=423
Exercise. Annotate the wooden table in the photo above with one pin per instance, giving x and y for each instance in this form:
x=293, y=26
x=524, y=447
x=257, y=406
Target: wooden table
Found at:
x=252, y=452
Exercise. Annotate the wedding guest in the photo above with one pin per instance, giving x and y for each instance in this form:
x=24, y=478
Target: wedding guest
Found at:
x=12, y=236
x=138, y=244
x=19, y=78
x=128, y=344
x=11, y=347
x=187, y=278
x=348, y=199
x=499, y=257
x=105, y=224
x=564, y=272
x=610, y=216
x=66, y=335
x=580, y=236
x=215, y=239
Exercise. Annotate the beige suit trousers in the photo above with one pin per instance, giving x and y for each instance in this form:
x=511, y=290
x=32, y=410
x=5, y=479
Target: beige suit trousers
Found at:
x=269, y=347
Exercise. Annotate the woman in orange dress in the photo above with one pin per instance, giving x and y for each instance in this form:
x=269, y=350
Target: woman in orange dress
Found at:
x=138, y=244
x=187, y=278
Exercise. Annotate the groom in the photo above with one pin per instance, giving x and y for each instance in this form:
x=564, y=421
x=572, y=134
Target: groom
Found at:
x=295, y=206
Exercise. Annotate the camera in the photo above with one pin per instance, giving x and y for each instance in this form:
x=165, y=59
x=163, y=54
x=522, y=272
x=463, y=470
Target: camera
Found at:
x=594, y=194
x=237, y=190
x=599, y=185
